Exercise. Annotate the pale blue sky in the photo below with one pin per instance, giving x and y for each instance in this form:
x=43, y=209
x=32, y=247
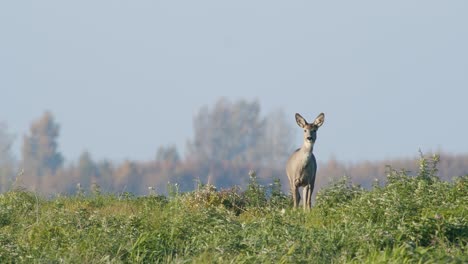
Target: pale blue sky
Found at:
x=124, y=77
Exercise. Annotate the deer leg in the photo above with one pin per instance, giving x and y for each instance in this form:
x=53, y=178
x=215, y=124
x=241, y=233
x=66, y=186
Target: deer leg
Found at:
x=312, y=185
x=309, y=197
x=311, y=189
x=296, y=196
x=306, y=197
x=293, y=193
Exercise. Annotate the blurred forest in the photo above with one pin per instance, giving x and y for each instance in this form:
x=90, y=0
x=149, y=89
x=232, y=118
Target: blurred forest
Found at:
x=230, y=139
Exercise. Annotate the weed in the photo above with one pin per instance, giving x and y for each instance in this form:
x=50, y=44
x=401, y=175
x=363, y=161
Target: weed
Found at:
x=409, y=219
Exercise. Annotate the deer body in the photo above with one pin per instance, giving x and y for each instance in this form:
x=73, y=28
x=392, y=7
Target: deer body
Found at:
x=301, y=167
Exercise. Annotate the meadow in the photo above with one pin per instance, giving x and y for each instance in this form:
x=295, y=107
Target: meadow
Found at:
x=408, y=219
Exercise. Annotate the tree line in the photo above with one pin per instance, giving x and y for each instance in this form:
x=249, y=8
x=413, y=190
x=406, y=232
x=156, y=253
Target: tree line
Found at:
x=230, y=139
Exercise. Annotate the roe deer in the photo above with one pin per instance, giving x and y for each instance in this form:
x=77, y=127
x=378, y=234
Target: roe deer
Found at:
x=302, y=166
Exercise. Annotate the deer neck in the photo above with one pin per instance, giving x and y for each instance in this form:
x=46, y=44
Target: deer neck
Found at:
x=307, y=147
x=306, y=150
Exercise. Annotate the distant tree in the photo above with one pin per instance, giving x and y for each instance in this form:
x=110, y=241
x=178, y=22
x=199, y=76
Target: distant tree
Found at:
x=87, y=170
x=128, y=178
x=6, y=158
x=275, y=144
x=167, y=154
x=232, y=138
x=106, y=175
x=40, y=149
x=229, y=131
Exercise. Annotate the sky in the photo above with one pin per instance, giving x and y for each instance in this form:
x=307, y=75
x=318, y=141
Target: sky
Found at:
x=125, y=77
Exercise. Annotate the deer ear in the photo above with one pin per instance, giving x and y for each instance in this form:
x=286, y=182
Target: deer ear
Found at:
x=300, y=120
x=319, y=120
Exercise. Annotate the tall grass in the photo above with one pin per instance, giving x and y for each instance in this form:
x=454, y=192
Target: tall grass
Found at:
x=410, y=219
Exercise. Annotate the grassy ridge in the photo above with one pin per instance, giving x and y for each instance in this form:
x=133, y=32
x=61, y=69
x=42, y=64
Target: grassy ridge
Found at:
x=417, y=219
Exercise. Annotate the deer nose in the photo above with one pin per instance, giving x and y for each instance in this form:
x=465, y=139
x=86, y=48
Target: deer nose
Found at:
x=309, y=138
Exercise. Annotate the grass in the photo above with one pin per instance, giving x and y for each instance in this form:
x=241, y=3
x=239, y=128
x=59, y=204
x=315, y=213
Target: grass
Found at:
x=411, y=219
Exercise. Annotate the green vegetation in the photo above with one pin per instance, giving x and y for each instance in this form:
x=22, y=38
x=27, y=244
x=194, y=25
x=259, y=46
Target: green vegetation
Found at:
x=411, y=219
